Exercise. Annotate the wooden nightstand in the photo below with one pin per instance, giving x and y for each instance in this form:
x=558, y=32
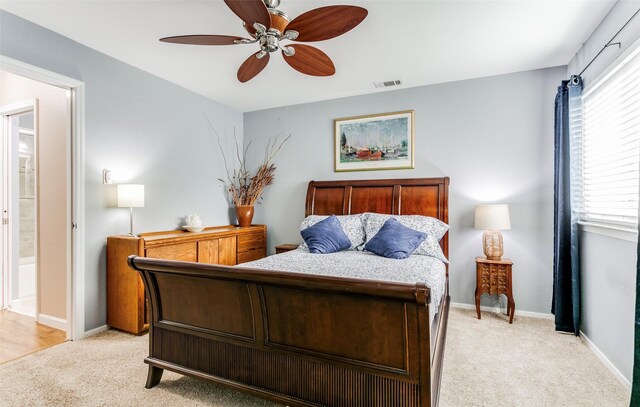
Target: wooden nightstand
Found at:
x=494, y=277
x=282, y=248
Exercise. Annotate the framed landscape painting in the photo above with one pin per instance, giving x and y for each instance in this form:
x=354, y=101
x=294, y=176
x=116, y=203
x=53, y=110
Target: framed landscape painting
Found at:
x=374, y=142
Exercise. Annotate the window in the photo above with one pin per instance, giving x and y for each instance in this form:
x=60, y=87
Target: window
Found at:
x=610, y=160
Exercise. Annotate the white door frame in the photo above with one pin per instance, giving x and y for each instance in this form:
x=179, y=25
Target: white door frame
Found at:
x=6, y=112
x=75, y=186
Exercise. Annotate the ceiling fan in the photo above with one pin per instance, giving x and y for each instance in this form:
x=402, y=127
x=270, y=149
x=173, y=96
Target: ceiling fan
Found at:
x=267, y=26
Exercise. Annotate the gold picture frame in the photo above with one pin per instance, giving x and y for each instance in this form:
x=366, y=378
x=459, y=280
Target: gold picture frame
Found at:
x=383, y=141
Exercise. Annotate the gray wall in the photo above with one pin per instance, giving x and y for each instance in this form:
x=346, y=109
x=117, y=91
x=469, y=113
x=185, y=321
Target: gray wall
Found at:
x=608, y=297
x=608, y=264
x=492, y=136
x=146, y=130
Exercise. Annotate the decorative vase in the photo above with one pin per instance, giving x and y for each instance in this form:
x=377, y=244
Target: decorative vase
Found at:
x=244, y=213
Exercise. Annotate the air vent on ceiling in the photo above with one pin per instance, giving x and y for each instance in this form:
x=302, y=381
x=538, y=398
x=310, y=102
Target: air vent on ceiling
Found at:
x=386, y=84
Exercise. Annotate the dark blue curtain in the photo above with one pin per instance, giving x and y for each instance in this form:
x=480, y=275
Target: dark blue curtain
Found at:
x=635, y=389
x=566, y=257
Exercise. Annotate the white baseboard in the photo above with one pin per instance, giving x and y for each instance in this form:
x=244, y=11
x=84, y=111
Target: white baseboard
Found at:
x=96, y=330
x=53, y=322
x=499, y=311
x=625, y=382
x=15, y=307
x=17, y=302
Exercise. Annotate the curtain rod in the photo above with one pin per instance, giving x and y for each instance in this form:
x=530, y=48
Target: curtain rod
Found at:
x=610, y=43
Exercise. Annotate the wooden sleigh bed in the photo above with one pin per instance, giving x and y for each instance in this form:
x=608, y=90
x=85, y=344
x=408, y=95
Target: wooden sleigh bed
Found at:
x=299, y=339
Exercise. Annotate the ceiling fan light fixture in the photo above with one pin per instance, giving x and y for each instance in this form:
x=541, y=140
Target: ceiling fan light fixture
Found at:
x=269, y=43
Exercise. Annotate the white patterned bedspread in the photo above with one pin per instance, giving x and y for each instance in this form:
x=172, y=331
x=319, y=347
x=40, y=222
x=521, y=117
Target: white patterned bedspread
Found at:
x=363, y=265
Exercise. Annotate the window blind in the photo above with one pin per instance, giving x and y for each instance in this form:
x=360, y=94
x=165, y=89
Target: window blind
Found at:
x=609, y=186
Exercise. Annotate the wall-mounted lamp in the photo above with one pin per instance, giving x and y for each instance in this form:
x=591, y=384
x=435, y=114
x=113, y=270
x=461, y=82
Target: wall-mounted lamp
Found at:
x=130, y=196
x=492, y=218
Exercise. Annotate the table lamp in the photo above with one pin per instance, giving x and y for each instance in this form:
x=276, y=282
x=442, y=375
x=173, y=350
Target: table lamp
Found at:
x=130, y=196
x=491, y=219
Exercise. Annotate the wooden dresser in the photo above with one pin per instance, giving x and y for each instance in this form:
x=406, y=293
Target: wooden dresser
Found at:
x=226, y=245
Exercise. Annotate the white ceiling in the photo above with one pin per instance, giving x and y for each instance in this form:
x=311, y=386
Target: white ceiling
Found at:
x=420, y=42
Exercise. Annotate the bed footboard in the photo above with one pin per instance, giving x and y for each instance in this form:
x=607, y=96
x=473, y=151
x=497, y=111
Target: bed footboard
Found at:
x=294, y=338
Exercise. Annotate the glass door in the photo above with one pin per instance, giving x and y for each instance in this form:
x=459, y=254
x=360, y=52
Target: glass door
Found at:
x=19, y=213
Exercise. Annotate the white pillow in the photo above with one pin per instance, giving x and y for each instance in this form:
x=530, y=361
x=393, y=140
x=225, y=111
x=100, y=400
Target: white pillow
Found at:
x=352, y=225
x=434, y=228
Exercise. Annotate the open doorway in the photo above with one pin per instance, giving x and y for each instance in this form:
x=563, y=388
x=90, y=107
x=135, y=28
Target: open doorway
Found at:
x=72, y=158
x=36, y=240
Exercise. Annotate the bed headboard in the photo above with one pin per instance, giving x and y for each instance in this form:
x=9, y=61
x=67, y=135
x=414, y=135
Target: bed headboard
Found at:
x=411, y=196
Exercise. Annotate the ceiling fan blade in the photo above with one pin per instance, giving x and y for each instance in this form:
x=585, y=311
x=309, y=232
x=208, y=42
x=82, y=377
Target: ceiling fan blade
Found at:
x=252, y=66
x=327, y=22
x=310, y=61
x=203, y=39
x=250, y=11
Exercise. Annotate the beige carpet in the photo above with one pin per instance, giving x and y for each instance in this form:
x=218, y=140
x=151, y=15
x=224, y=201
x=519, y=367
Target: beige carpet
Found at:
x=491, y=363
x=487, y=363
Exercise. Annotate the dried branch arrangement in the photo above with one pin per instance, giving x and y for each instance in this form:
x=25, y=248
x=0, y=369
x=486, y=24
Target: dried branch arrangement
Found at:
x=244, y=188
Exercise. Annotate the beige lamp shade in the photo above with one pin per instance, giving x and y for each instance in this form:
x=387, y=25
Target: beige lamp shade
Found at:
x=130, y=196
x=492, y=217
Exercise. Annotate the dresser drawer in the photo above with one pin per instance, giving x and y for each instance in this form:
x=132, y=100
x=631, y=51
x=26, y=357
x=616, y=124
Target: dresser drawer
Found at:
x=252, y=255
x=179, y=251
x=251, y=242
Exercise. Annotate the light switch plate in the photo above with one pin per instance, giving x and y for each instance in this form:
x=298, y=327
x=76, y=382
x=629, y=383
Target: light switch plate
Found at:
x=106, y=177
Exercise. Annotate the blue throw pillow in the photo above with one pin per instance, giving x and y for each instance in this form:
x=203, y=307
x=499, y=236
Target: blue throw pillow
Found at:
x=395, y=241
x=326, y=236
